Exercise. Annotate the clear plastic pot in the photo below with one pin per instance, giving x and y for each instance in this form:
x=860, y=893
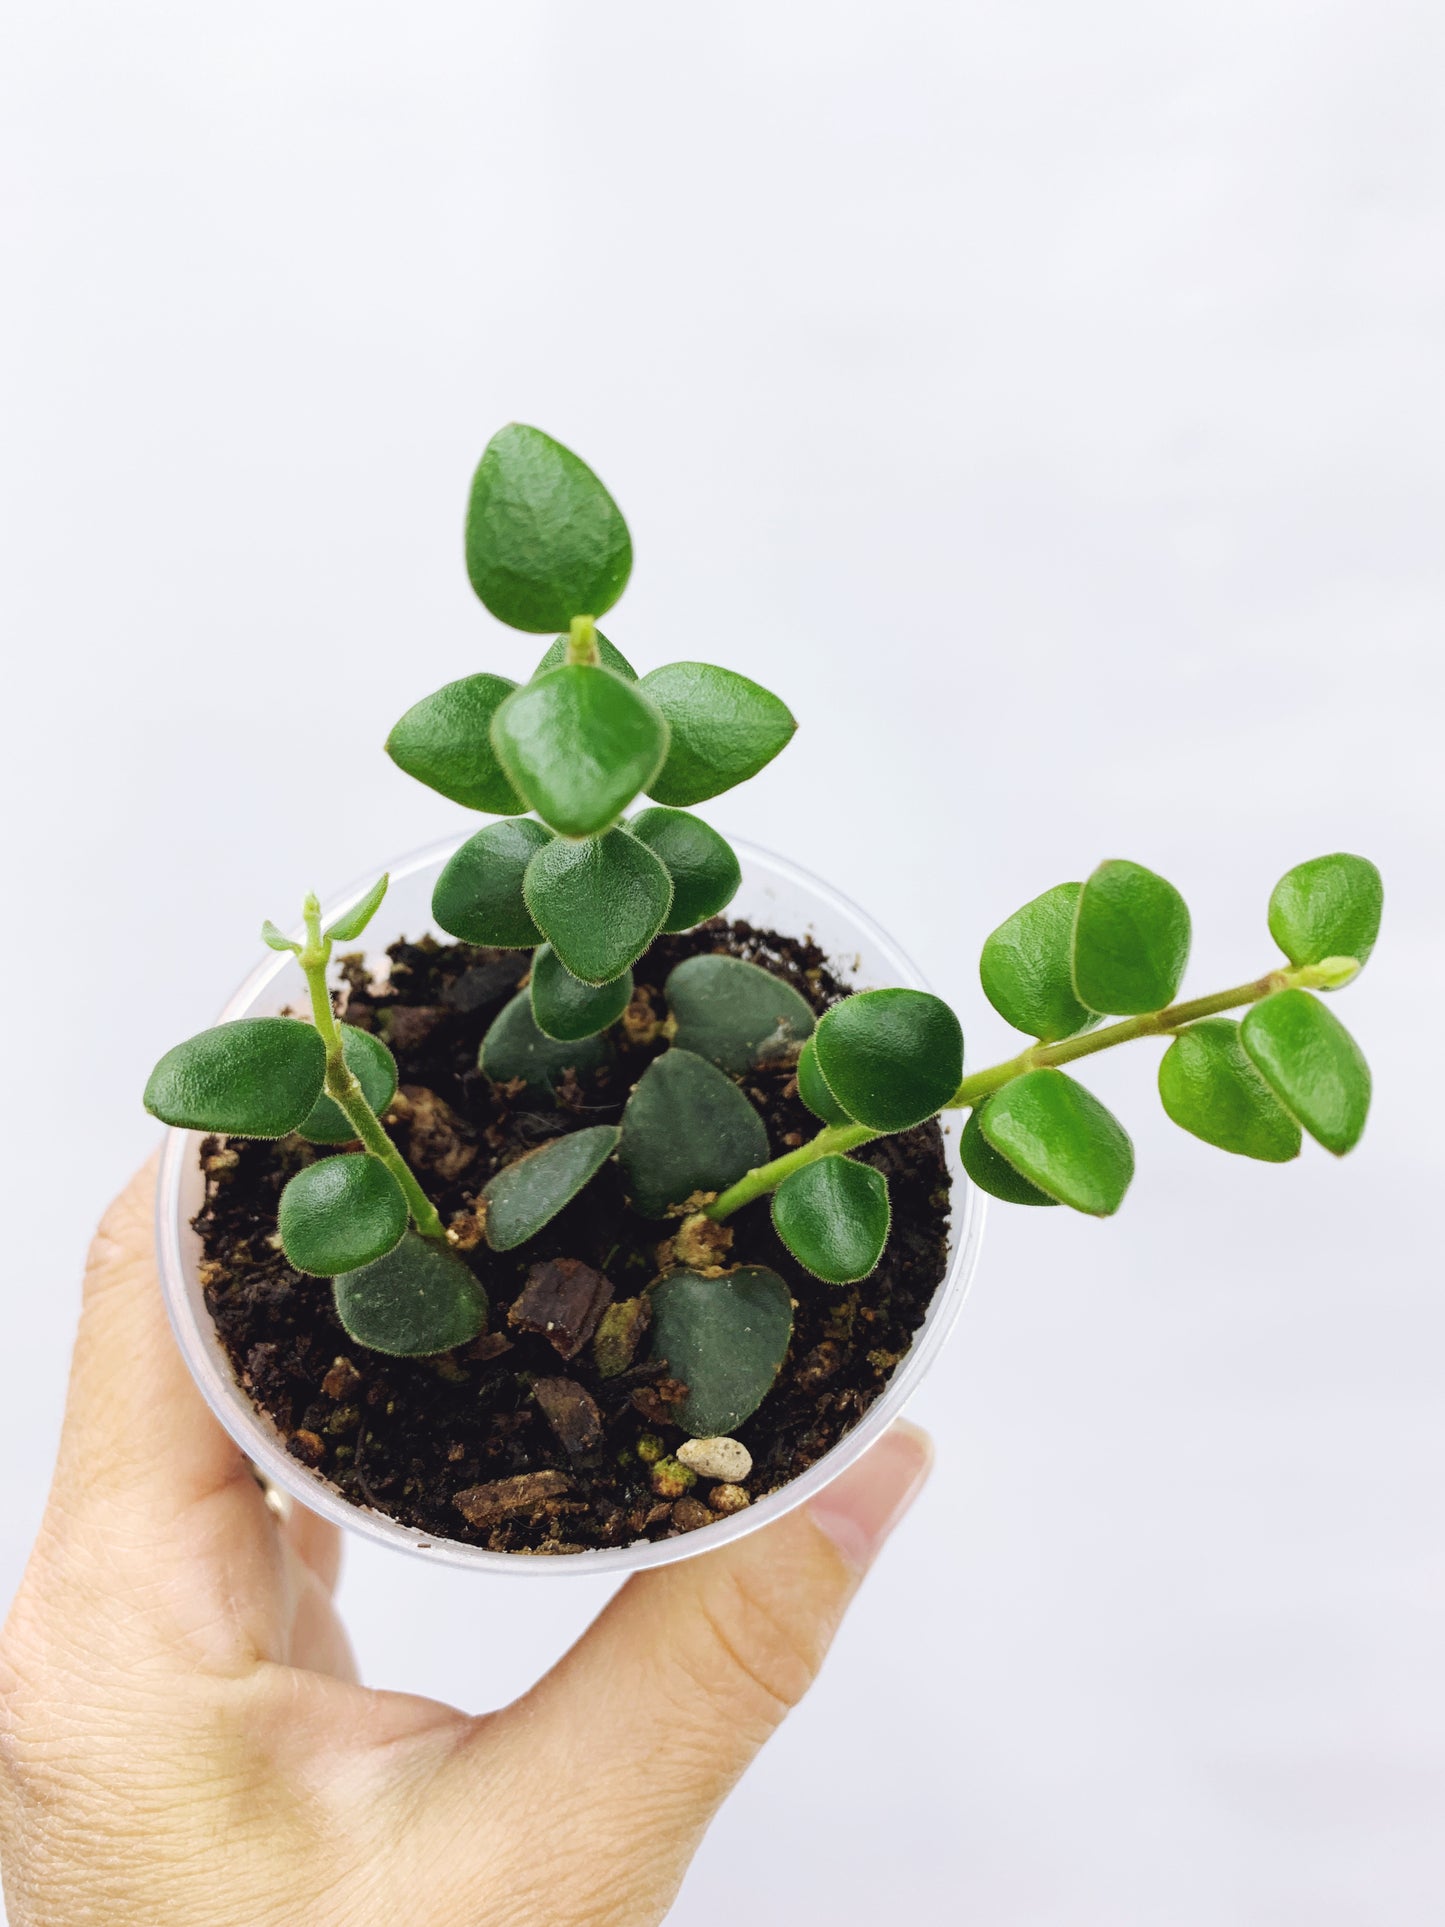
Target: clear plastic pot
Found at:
x=774, y=895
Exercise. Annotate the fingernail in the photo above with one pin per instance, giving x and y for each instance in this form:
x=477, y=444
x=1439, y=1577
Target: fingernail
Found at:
x=860, y=1509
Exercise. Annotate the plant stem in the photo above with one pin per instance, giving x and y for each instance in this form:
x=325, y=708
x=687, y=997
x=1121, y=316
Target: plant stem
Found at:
x=582, y=641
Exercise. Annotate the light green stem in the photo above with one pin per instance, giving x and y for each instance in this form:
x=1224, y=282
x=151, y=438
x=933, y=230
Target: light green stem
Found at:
x=582, y=641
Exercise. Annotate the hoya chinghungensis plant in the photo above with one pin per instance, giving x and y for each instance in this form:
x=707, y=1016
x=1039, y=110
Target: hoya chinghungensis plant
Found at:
x=591, y=774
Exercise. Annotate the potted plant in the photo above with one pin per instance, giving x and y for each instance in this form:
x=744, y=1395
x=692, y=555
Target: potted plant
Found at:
x=600, y=1222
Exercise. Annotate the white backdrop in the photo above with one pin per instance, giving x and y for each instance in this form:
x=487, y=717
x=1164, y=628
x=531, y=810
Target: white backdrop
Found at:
x=1047, y=400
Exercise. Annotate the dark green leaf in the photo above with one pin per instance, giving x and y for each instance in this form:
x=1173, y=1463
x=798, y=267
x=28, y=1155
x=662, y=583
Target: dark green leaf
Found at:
x=1312, y=1064
x=1062, y=1139
x=704, y=870
x=545, y=541
x=277, y=939
x=993, y=1173
x=734, y=1013
x=419, y=1299
x=566, y=1008
x=1208, y=1086
x=579, y=743
x=686, y=1128
x=725, y=1338
x=373, y=1067
x=599, y=903
x=724, y=730
x=514, y=1047
x=890, y=1057
x=349, y=926
x=813, y=1088
x=1328, y=907
x=256, y=1077
x=445, y=741
x=1131, y=940
x=1027, y=968
x=833, y=1216
x=529, y=1193
x=612, y=658
x=478, y=896
x=340, y=1214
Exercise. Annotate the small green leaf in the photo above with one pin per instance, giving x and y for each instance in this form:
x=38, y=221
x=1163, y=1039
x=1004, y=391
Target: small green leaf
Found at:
x=686, y=1128
x=579, y=743
x=813, y=1088
x=725, y=1338
x=993, y=1173
x=599, y=903
x=1131, y=940
x=734, y=1013
x=612, y=658
x=373, y=1067
x=352, y=922
x=890, y=1057
x=478, y=896
x=724, y=730
x=1062, y=1139
x=421, y=1298
x=255, y=1077
x=545, y=541
x=340, y=1214
x=703, y=867
x=530, y=1192
x=514, y=1047
x=1026, y=968
x=1312, y=1064
x=833, y=1216
x=1208, y=1086
x=566, y=1008
x=445, y=741
x=277, y=939
x=1328, y=907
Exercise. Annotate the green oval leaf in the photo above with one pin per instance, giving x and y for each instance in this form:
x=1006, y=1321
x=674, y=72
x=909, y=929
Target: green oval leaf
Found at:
x=833, y=1216
x=890, y=1057
x=1208, y=1086
x=1062, y=1139
x=1312, y=1064
x=703, y=866
x=1026, y=968
x=599, y=903
x=612, y=658
x=735, y=1014
x=275, y=939
x=529, y=1193
x=478, y=896
x=417, y=1300
x=545, y=541
x=445, y=741
x=341, y=1213
x=686, y=1128
x=725, y=1338
x=515, y=1048
x=350, y=924
x=991, y=1172
x=566, y=1008
x=813, y=1088
x=373, y=1067
x=1131, y=940
x=1328, y=907
x=579, y=743
x=724, y=729
x=255, y=1077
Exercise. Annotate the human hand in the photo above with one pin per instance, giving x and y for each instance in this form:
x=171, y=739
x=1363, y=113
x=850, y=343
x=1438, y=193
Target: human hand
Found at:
x=185, y=1743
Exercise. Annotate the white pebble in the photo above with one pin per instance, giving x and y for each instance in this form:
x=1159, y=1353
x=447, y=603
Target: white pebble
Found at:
x=726, y=1459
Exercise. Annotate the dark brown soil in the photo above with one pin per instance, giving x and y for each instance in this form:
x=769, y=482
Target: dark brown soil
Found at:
x=417, y=1438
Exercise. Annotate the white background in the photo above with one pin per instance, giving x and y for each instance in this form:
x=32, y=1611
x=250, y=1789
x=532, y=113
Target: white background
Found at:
x=1047, y=401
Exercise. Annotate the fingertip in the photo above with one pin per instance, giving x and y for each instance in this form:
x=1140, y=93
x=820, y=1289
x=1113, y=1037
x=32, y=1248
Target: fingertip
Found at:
x=862, y=1506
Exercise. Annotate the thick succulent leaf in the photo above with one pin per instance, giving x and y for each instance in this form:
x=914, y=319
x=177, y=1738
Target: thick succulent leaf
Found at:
x=599, y=903
x=445, y=741
x=566, y=1008
x=1026, y=968
x=373, y=1067
x=686, y=1128
x=991, y=1172
x=703, y=866
x=725, y=1338
x=256, y=1077
x=1062, y=1139
x=813, y=1088
x=1208, y=1086
x=1131, y=940
x=341, y=1213
x=545, y=541
x=735, y=1014
x=350, y=924
x=478, y=896
x=1312, y=1064
x=724, y=727
x=514, y=1047
x=890, y=1057
x=419, y=1299
x=275, y=939
x=579, y=743
x=833, y=1216
x=530, y=1192
x=1328, y=907
x=612, y=658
